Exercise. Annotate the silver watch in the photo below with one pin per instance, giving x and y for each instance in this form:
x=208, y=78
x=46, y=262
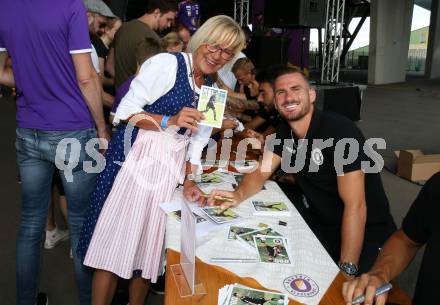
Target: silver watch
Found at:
x=348, y=268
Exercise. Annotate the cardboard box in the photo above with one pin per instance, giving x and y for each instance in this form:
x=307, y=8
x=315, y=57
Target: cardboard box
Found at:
x=414, y=165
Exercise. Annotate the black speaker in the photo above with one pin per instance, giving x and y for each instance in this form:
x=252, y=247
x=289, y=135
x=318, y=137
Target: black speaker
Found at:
x=345, y=101
x=295, y=13
x=268, y=51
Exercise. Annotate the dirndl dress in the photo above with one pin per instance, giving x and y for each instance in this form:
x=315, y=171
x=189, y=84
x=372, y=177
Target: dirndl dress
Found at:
x=150, y=237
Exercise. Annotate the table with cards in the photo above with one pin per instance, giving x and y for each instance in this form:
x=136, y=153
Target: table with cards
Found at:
x=286, y=256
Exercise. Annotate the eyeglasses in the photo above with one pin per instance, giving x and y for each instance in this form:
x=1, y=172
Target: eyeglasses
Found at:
x=226, y=54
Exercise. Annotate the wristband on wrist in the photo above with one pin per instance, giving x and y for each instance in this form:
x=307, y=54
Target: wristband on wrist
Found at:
x=164, y=122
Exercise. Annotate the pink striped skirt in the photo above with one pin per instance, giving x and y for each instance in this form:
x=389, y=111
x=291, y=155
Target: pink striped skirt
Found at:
x=130, y=231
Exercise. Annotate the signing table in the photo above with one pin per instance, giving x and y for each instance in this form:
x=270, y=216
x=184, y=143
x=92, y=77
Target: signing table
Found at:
x=312, y=278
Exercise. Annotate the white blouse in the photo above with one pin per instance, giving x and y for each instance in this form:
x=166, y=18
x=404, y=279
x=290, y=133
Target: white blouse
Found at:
x=156, y=77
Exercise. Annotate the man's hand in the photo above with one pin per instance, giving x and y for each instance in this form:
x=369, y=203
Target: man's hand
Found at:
x=104, y=139
x=186, y=118
x=216, y=196
x=192, y=192
x=366, y=285
x=229, y=124
x=254, y=88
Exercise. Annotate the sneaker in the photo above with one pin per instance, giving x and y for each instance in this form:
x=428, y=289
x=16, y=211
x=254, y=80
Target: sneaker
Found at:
x=54, y=237
x=159, y=286
x=42, y=299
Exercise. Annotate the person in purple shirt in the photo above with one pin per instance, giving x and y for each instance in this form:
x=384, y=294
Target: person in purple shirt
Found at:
x=58, y=108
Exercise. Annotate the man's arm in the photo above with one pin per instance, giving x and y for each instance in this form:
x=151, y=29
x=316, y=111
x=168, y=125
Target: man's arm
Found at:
x=6, y=74
x=110, y=63
x=351, y=188
x=397, y=253
x=90, y=86
x=251, y=184
x=255, y=123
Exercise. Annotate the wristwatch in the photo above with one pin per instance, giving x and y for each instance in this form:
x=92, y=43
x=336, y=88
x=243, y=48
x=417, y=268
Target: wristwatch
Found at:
x=348, y=268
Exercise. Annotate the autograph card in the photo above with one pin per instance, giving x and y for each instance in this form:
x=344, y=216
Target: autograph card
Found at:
x=212, y=104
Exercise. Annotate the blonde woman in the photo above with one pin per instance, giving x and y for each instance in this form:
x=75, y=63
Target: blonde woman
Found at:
x=172, y=42
x=128, y=233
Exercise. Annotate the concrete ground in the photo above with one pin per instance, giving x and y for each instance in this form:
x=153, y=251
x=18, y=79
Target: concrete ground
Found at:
x=405, y=115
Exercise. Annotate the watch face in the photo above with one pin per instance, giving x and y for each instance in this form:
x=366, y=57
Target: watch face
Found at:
x=348, y=268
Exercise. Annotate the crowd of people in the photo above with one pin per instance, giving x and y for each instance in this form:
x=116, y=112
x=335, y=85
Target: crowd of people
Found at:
x=80, y=73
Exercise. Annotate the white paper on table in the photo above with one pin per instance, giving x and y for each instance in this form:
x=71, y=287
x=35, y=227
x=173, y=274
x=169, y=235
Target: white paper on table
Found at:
x=202, y=228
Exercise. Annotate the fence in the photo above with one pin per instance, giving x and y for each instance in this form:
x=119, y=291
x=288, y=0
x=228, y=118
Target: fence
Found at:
x=359, y=60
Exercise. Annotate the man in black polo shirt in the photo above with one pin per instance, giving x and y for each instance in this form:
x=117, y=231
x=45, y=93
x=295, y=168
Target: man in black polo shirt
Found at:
x=419, y=227
x=346, y=209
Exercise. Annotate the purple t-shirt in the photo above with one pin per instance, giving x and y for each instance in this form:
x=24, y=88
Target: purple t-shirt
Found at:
x=41, y=37
x=120, y=93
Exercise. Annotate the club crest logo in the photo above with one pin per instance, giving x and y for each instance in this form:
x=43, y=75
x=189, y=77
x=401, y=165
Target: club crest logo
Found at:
x=301, y=285
x=317, y=156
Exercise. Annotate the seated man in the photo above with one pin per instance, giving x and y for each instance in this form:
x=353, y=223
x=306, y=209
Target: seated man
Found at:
x=347, y=209
x=267, y=118
x=419, y=227
x=244, y=71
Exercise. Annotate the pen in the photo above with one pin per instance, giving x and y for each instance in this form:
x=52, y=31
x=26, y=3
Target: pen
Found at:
x=219, y=198
x=232, y=260
x=381, y=290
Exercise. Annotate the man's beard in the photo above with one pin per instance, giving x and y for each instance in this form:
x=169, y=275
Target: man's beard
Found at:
x=296, y=116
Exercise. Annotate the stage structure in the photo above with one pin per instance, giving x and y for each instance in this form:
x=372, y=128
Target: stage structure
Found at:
x=333, y=41
x=241, y=12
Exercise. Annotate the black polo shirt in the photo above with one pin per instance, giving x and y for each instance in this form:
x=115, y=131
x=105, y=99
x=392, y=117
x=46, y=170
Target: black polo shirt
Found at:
x=319, y=183
x=421, y=224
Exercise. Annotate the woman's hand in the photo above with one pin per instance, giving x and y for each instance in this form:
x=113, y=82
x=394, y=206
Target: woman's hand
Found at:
x=192, y=192
x=186, y=118
x=217, y=198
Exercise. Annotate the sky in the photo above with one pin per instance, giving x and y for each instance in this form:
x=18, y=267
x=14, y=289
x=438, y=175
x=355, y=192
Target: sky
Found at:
x=420, y=19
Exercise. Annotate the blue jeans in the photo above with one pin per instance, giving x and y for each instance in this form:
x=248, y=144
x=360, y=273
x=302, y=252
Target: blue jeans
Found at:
x=36, y=152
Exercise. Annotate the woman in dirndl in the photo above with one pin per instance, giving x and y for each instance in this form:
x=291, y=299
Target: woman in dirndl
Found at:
x=124, y=235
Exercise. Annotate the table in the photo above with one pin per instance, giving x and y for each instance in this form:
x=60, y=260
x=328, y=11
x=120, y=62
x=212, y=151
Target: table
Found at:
x=215, y=277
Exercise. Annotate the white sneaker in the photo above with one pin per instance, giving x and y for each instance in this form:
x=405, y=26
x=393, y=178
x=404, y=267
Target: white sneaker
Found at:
x=54, y=237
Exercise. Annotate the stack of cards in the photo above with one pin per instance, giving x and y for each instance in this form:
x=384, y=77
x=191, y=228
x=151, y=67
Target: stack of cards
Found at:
x=270, y=246
x=235, y=230
x=219, y=216
x=247, y=239
x=178, y=215
x=272, y=249
x=217, y=177
x=241, y=295
x=270, y=208
x=206, y=164
x=244, y=166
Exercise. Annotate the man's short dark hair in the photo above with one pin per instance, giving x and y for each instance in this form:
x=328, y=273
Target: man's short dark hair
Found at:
x=290, y=70
x=146, y=48
x=164, y=6
x=268, y=75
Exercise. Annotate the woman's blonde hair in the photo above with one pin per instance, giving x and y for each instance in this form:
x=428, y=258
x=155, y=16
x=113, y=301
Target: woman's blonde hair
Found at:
x=221, y=30
x=171, y=39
